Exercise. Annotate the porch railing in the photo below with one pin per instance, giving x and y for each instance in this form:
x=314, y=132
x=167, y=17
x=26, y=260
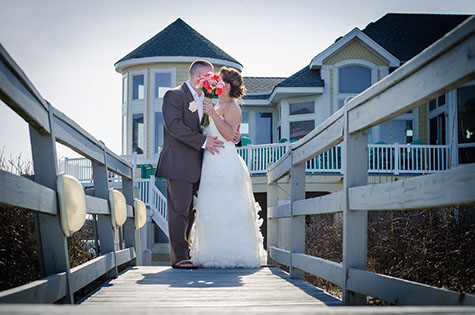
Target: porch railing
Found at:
x=382, y=158
x=445, y=65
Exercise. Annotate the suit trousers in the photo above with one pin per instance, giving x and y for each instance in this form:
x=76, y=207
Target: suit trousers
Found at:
x=180, y=217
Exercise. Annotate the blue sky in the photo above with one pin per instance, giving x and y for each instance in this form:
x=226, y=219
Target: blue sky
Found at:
x=68, y=48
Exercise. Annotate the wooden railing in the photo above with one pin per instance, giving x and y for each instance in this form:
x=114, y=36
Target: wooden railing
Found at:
x=46, y=126
x=446, y=64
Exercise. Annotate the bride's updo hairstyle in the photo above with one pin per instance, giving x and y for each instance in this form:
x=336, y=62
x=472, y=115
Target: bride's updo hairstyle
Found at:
x=234, y=78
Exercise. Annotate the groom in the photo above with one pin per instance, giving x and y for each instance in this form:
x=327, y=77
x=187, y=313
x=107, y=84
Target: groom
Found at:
x=180, y=159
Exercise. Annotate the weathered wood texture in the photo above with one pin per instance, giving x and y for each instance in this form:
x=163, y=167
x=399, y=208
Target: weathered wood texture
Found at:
x=291, y=309
x=445, y=65
x=449, y=188
x=192, y=289
x=24, y=193
x=402, y=292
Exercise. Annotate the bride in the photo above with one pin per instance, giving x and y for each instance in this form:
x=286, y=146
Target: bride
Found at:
x=226, y=231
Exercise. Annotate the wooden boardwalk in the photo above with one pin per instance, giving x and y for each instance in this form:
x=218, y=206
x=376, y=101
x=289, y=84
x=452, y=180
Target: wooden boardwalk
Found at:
x=164, y=287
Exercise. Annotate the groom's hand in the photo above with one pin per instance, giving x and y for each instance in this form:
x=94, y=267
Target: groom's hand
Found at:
x=212, y=144
x=237, y=136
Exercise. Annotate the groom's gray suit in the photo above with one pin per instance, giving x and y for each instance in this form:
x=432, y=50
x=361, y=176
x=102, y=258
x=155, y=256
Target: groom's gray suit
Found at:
x=180, y=163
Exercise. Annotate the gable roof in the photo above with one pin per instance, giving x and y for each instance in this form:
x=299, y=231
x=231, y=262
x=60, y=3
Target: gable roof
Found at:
x=261, y=85
x=303, y=78
x=179, y=40
x=343, y=41
x=405, y=35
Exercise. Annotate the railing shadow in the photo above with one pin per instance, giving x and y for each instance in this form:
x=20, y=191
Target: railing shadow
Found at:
x=309, y=289
x=199, y=278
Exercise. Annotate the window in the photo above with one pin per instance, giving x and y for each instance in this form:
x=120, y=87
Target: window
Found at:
x=263, y=128
x=158, y=131
x=437, y=120
x=124, y=89
x=163, y=82
x=244, y=130
x=124, y=134
x=437, y=102
x=397, y=131
x=466, y=124
x=138, y=134
x=354, y=79
x=299, y=129
x=138, y=87
x=302, y=108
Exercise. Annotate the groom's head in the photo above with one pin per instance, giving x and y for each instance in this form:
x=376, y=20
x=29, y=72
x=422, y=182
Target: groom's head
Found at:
x=198, y=68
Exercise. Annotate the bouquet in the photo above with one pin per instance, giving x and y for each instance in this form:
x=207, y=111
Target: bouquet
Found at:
x=212, y=85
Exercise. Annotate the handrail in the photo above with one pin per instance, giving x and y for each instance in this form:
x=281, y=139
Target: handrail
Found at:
x=443, y=66
x=48, y=125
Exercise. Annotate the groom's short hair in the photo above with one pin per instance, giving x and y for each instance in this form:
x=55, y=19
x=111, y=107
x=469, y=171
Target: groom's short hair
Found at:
x=196, y=65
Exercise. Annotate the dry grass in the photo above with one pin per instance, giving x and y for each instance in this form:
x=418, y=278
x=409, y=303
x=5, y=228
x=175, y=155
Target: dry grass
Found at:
x=431, y=246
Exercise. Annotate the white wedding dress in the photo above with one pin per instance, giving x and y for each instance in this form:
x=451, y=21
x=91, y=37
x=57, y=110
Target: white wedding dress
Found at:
x=226, y=230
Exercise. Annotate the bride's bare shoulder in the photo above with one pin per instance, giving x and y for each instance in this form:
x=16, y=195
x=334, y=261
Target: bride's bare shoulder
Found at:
x=233, y=108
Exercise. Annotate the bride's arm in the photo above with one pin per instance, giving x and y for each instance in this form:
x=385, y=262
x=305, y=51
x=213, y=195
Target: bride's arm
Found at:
x=232, y=119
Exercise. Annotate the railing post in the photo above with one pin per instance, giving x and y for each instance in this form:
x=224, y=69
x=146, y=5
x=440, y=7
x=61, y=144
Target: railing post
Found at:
x=272, y=224
x=397, y=158
x=355, y=223
x=52, y=243
x=249, y=165
x=297, y=224
x=129, y=225
x=104, y=224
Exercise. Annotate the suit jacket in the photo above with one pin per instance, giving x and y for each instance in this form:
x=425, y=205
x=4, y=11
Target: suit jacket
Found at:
x=181, y=155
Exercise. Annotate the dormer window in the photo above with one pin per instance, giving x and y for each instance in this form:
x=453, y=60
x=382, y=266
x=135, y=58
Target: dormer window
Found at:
x=354, y=79
x=138, y=87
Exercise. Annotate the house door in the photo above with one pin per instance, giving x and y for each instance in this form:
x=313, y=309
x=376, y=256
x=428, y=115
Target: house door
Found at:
x=437, y=129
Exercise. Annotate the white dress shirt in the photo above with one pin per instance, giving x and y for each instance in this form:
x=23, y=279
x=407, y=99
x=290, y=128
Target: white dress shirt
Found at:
x=199, y=101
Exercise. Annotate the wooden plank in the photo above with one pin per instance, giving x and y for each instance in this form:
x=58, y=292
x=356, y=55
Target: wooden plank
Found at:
x=278, y=212
x=325, y=140
x=74, y=139
x=319, y=267
x=272, y=225
x=297, y=223
x=95, y=205
x=280, y=255
x=118, y=165
x=52, y=243
x=355, y=223
x=164, y=286
x=20, y=95
x=149, y=309
x=403, y=292
x=84, y=274
x=125, y=255
x=130, y=212
x=332, y=203
x=443, y=66
x=21, y=192
x=448, y=188
x=279, y=169
x=46, y=290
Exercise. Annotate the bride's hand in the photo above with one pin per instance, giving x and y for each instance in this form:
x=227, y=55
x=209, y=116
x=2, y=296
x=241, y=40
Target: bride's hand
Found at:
x=208, y=108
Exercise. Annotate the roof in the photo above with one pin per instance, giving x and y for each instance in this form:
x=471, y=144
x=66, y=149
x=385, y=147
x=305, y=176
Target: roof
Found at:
x=179, y=39
x=303, y=78
x=405, y=35
x=261, y=85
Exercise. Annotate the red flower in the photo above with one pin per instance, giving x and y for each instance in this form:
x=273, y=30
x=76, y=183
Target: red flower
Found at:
x=219, y=91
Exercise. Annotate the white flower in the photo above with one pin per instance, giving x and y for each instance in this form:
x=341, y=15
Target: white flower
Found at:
x=193, y=107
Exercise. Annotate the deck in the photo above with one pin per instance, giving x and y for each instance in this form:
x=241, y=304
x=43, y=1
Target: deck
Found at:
x=152, y=290
x=166, y=288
